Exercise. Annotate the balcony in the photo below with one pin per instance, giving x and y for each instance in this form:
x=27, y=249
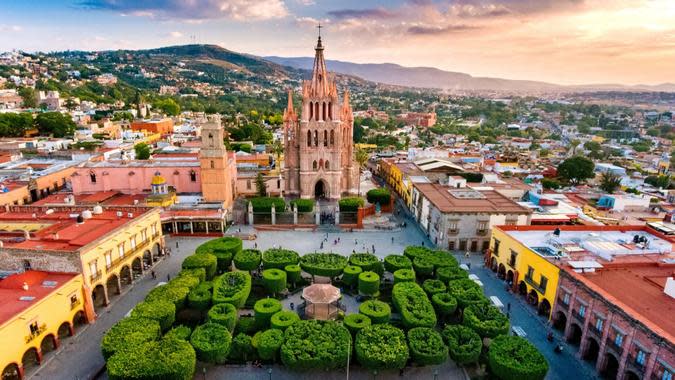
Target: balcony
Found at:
x=95, y=276
x=561, y=301
x=617, y=349
x=116, y=262
x=632, y=364
x=594, y=331
x=533, y=284
x=578, y=317
x=481, y=232
x=512, y=263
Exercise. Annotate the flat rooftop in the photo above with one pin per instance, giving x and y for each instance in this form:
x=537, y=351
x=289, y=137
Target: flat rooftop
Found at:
x=453, y=200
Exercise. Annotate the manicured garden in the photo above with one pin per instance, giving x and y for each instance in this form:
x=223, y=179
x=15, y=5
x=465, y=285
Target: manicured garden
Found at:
x=416, y=309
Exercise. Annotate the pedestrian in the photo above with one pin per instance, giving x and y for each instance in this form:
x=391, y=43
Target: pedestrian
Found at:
x=373, y=248
x=508, y=306
x=338, y=239
x=176, y=245
x=468, y=265
x=153, y=274
x=356, y=242
x=255, y=245
x=321, y=245
x=392, y=240
x=422, y=244
x=168, y=277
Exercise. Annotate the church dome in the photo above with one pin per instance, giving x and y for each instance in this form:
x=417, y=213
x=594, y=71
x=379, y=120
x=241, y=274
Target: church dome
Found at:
x=158, y=179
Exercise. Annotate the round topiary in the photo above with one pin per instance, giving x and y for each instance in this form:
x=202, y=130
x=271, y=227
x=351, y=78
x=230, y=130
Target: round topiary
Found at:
x=404, y=275
x=487, y=320
x=264, y=309
x=423, y=266
x=187, y=278
x=246, y=324
x=426, y=346
x=127, y=333
x=169, y=292
x=451, y=273
x=315, y=345
x=169, y=358
x=381, y=347
x=355, y=322
x=350, y=275
x=223, y=314
x=223, y=248
x=212, y=342
x=444, y=303
x=369, y=283
x=282, y=319
x=197, y=273
x=293, y=274
x=377, y=311
x=199, y=299
x=279, y=258
x=392, y=263
x=162, y=311
x=464, y=344
x=380, y=195
x=247, y=259
x=323, y=264
x=414, y=251
x=269, y=343
x=367, y=261
x=242, y=348
x=413, y=304
x=432, y=286
x=232, y=287
x=203, y=260
x=274, y=280
x=514, y=358
x=179, y=332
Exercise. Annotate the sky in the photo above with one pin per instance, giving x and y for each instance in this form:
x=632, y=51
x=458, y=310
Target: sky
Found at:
x=558, y=41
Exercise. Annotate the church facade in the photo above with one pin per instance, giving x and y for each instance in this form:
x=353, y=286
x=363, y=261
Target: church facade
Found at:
x=318, y=146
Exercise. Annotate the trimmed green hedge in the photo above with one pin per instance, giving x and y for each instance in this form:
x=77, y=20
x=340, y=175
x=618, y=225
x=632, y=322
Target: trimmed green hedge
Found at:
x=437, y=257
x=355, y=322
x=404, y=275
x=323, y=264
x=444, y=303
x=212, y=342
x=199, y=299
x=264, y=310
x=167, y=359
x=423, y=266
x=179, y=332
x=392, y=263
x=377, y=311
x=467, y=292
x=293, y=273
x=350, y=204
x=169, y=292
x=350, y=275
x=223, y=248
x=246, y=324
x=367, y=261
x=247, y=259
x=274, y=280
x=279, y=258
x=451, y=273
x=487, y=320
x=414, y=305
x=242, y=348
x=223, y=314
x=465, y=345
x=127, y=333
x=369, y=283
x=381, y=347
x=432, y=286
x=304, y=205
x=315, y=345
x=197, y=273
x=232, y=287
x=380, y=195
x=426, y=346
x=162, y=311
x=264, y=204
x=202, y=260
x=514, y=358
x=281, y=320
x=269, y=343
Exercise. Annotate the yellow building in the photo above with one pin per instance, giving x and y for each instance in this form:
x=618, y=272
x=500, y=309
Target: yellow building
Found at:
x=39, y=310
x=391, y=171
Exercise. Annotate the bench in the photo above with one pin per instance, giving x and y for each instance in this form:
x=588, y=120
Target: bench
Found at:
x=518, y=331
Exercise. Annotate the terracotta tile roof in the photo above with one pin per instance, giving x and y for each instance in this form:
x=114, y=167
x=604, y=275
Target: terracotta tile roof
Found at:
x=452, y=200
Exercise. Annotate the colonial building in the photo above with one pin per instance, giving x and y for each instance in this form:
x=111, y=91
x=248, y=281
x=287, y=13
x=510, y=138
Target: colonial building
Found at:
x=218, y=168
x=319, y=160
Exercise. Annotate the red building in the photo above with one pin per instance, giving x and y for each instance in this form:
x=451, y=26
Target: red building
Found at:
x=163, y=126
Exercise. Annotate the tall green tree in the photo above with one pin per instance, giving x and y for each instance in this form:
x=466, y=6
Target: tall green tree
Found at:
x=15, y=124
x=609, y=182
x=28, y=96
x=278, y=149
x=55, y=123
x=142, y=151
x=576, y=169
x=260, y=185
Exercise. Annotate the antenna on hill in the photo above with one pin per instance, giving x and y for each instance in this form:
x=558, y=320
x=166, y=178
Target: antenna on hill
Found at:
x=193, y=39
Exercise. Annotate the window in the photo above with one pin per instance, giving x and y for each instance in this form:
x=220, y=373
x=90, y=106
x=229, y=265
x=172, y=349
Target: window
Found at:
x=248, y=184
x=512, y=260
x=496, y=247
x=641, y=358
x=311, y=114
x=618, y=339
x=330, y=114
x=667, y=375
x=153, y=229
x=309, y=137
x=74, y=301
x=93, y=268
x=211, y=139
x=530, y=272
x=316, y=108
x=582, y=310
x=193, y=175
x=332, y=137
x=144, y=235
x=316, y=136
x=108, y=259
x=34, y=329
x=120, y=249
x=314, y=165
x=213, y=165
x=598, y=324
x=325, y=138
x=278, y=184
x=543, y=281
x=566, y=299
x=92, y=176
x=451, y=245
x=323, y=113
x=326, y=165
x=26, y=265
x=452, y=227
x=132, y=241
x=511, y=221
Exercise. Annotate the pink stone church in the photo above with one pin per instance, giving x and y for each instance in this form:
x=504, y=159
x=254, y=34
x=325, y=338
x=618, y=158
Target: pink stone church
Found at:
x=318, y=157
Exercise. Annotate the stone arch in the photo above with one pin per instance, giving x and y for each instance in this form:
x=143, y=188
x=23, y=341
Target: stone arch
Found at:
x=147, y=257
x=332, y=138
x=330, y=110
x=509, y=276
x=156, y=249
x=559, y=320
x=321, y=189
x=11, y=372
x=574, y=336
x=112, y=286
x=533, y=298
x=64, y=330
x=309, y=138
x=494, y=264
x=325, y=138
x=31, y=359
x=48, y=344
x=501, y=272
x=323, y=114
x=137, y=266
x=544, y=308
x=326, y=165
x=126, y=277
x=592, y=350
x=610, y=369
x=311, y=110
x=522, y=288
x=78, y=320
x=98, y=296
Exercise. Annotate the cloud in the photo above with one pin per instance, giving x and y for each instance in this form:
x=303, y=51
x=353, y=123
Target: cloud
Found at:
x=10, y=28
x=438, y=30
x=240, y=10
x=496, y=8
x=371, y=13
x=175, y=34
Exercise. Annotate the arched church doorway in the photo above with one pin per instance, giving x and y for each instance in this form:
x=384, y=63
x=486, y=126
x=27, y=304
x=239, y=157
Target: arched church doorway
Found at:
x=320, y=189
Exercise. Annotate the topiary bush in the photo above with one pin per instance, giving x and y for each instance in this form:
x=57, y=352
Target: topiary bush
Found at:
x=269, y=343
x=436, y=257
x=247, y=259
x=404, y=275
x=223, y=248
x=198, y=273
x=350, y=275
x=179, y=332
x=161, y=311
x=355, y=322
x=323, y=264
x=487, y=320
x=246, y=324
x=281, y=320
x=369, y=284
x=223, y=314
x=242, y=348
x=514, y=358
x=464, y=344
x=451, y=273
x=169, y=359
x=304, y=205
x=414, y=305
x=203, y=260
x=367, y=261
x=264, y=204
x=423, y=266
x=264, y=309
x=212, y=342
x=392, y=263
x=444, y=303
x=377, y=311
x=467, y=292
x=315, y=345
x=426, y=346
x=127, y=333
x=293, y=274
x=350, y=204
x=380, y=195
x=169, y=292
x=279, y=258
x=199, y=299
x=232, y=287
x=432, y=286
x=381, y=347
x=274, y=280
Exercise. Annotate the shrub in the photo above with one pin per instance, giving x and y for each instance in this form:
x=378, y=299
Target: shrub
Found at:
x=514, y=358
x=323, y=264
x=269, y=344
x=223, y=314
x=415, y=308
x=242, y=348
x=380, y=195
x=369, y=283
x=212, y=342
x=467, y=292
x=232, y=287
x=223, y=248
x=187, y=278
x=423, y=266
x=444, y=303
x=315, y=345
x=433, y=286
x=179, y=332
x=127, y=333
x=161, y=311
x=279, y=258
x=264, y=309
x=377, y=311
x=170, y=359
x=246, y=325
x=282, y=319
x=350, y=275
x=404, y=275
x=355, y=322
x=426, y=346
x=350, y=204
x=274, y=280
x=203, y=260
x=437, y=258
x=487, y=320
x=247, y=259
x=392, y=263
x=169, y=292
x=264, y=204
x=367, y=261
x=451, y=273
x=463, y=343
x=197, y=273
x=293, y=273
x=381, y=347
x=304, y=205
x=199, y=299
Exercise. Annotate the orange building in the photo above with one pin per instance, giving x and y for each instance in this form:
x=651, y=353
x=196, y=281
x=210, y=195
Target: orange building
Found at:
x=218, y=167
x=163, y=126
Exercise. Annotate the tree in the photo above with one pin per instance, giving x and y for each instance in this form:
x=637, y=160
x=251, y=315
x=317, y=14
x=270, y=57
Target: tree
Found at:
x=142, y=151
x=260, y=185
x=361, y=157
x=574, y=144
x=28, y=96
x=55, y=123
x=609, y=181
x=168, y=106
x=576, y=169
x=278, y=149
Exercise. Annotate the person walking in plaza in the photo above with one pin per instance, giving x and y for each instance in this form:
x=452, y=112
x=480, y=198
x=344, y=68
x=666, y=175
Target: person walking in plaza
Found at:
x=153, y=274
x=176, y=245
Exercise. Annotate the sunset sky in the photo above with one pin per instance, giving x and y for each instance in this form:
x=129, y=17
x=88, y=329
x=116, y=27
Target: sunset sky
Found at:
x=560, y=41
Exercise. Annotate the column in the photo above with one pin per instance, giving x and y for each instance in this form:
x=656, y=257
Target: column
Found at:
x=274, y=214
x=250, y=213
x=603, y=341
x=192, y=231
x=222, y=227
x=207, y=226
x=175, y=227
x=337, y=215
x=317, y=217
x=119, y=287
x=295, y=214
x=106, y=300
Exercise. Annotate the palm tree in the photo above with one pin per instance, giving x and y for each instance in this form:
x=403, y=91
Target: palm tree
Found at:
x=361, y=157
x=609, y=181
